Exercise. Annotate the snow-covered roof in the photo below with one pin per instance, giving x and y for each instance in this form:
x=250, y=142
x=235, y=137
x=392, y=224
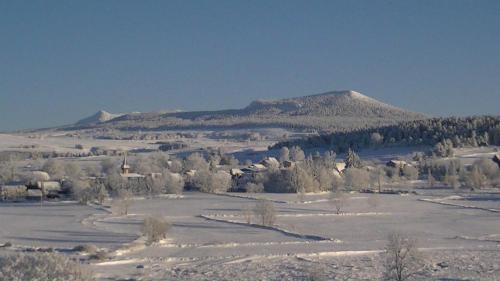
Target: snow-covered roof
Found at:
x=340, y=166
x=12, y=187
x=236, y=172
x=132, y=175
x=40, y=175
x=270, y=162
x=258, y=166
x=49, y=185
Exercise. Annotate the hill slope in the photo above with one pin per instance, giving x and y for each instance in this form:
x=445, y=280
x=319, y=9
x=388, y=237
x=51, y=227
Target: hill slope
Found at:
x=336, y=110
x=98, y=117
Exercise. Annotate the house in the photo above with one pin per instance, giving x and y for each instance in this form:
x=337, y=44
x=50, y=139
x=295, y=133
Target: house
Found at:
x=397, y=164
x=496, y=159
x=287, y=164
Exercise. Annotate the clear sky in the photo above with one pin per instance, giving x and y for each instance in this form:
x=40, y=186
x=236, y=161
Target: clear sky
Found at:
x=63, y=60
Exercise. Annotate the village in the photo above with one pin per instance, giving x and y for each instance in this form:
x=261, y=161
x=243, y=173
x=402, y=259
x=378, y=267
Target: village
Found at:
x=38, y=185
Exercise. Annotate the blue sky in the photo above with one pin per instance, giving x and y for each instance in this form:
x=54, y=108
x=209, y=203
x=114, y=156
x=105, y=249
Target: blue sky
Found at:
x=63, y=60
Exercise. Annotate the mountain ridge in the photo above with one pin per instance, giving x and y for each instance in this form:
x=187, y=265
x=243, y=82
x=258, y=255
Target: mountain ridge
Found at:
x=330, y=110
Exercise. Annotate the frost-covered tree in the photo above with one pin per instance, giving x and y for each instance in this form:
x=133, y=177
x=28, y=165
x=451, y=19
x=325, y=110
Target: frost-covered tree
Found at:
x=41, y=266
x=352, y=159
x=297, y=154
x=284, y=154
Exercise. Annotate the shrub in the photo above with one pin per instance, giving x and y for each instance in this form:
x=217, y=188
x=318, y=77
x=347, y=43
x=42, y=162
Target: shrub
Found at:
x=155, y=229
x=99, y=255
x=41, y=266
x=254, y=187
x=87, y=248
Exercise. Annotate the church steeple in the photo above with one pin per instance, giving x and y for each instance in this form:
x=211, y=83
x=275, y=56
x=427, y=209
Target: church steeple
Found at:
x=125, y=167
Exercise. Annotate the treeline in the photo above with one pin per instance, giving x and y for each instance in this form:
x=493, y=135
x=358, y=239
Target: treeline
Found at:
x=307, y=123
x=444, y=133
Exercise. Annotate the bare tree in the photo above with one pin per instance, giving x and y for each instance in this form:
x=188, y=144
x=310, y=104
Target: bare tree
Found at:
x=122, y=204
x=174, y=183
x=196, y=161
x=212, y=181
x=54, y=168
x=247, y=214
x=431, y=181
x=7, y=171
x=72, y=170
x=301, y=180
x=475, y=178
x=402, y=259
x=338, y=199
x=451, y=178
x=101, y=193
x=265, y=210
x=356, y=178
x=378, y=178
x=175, y=166
x=81, y=191
x=155, y=228
x=110, y=166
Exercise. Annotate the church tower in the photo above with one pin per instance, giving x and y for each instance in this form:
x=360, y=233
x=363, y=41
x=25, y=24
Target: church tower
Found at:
x=125, y=167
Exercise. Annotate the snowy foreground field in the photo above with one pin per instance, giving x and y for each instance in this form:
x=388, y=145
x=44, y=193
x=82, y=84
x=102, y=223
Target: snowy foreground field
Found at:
x=459, y=236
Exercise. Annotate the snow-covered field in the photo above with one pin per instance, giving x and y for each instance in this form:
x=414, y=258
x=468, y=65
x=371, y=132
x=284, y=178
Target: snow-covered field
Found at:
x=210, y=239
